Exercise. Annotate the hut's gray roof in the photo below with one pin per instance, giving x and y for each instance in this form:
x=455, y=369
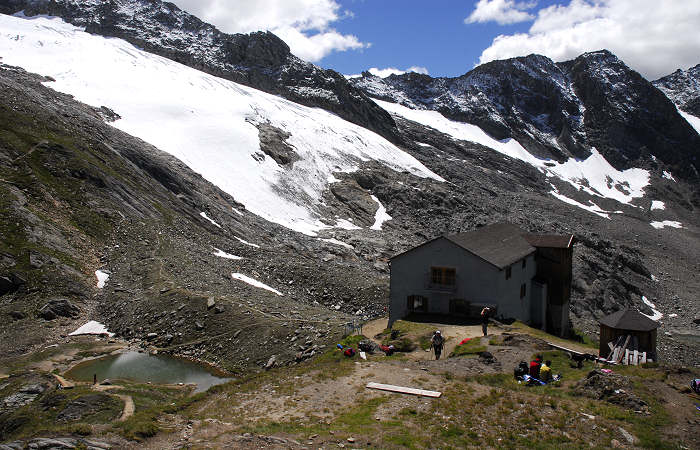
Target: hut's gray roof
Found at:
x=629, y=319
x=500, y=244
x=550, y=240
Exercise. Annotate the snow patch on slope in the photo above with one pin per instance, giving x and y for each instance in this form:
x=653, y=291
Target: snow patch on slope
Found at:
x=223, y=254
x=593, y=175
x=380, y=216
x=203, y=214
x=207, y=122
x=666, y=223
x=92, y=327
x=255, y=283
x=249, y=244
x=656, y=314
x=102, y=278
x=657, y=204
x=691, y=119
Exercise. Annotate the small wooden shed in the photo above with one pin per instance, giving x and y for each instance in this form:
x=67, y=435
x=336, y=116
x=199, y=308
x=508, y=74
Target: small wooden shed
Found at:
x=628, y=322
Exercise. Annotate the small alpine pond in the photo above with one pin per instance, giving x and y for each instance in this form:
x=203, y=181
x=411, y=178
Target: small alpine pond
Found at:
x=143, y=368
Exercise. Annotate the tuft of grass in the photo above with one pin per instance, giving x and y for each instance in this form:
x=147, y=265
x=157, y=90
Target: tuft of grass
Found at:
x=471, y=347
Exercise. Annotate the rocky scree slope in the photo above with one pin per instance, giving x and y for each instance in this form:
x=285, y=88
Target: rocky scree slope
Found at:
x=557, y=110
x=78, y=195
x=260, y=60
x=683, y=88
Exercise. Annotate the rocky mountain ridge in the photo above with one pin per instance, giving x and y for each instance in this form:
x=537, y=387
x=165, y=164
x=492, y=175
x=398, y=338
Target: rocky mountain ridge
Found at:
x=683, y=88
x=557, y=110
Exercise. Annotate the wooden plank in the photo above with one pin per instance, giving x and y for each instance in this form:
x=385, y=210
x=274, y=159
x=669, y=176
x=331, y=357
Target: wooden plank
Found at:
x=610, y=344
x=65, y=384
x=626, y=357
x=403, y=390
x=644, y=357
x=624, y=347
x=565, y=349
x=635, y=358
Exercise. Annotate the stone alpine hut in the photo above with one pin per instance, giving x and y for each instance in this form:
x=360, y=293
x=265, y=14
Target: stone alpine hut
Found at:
x=518, y=275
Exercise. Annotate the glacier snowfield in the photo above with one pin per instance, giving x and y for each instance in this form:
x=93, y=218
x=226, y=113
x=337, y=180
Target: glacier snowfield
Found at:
x=210, y=124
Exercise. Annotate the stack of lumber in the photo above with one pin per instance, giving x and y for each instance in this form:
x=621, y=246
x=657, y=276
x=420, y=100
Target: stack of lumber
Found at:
x=625, y=350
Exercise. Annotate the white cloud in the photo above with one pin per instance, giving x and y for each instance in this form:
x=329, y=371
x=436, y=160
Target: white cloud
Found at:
x=503, y=12
x=654, y=37
x=305, y=25
x=383, y=73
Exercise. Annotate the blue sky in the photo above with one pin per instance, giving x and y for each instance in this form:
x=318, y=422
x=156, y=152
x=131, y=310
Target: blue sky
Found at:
x=406, y=33
x=654, y=37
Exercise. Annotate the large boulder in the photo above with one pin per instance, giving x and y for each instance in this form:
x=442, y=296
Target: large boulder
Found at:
x=58, y=307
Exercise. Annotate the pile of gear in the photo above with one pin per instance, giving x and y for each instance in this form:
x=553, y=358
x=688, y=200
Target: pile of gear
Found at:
x=536, y=373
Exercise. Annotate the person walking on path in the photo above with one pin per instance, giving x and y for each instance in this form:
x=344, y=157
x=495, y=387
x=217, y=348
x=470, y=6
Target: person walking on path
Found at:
x=437, y=342
x=485, y=319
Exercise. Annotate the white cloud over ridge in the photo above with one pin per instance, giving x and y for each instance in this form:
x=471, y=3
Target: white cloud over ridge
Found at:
x=654, y=37
x=383, y=73
x=305, y=25
x=503, y=12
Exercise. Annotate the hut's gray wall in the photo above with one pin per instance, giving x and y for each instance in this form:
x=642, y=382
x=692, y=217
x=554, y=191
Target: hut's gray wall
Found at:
x=477, y=282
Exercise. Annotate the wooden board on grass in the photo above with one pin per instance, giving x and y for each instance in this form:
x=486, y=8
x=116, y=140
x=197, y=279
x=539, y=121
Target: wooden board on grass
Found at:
x=403, y=390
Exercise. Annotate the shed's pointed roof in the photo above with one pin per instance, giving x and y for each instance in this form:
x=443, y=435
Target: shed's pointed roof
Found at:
x=629, y=319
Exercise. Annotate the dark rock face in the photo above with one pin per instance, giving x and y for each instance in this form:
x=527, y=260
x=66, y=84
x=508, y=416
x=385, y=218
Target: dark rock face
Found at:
x=260, y=59
x=272, y=143
x=627, y=118
x=357, y=202
x=683, y=88
x=9, y=284
x=58, y=307
x=527, y=98
x=557, y=110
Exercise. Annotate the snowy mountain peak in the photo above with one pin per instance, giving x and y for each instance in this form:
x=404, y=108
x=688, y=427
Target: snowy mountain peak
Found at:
x=683, y=88
x=260, y=60
x=274, y=156
x=556, y=110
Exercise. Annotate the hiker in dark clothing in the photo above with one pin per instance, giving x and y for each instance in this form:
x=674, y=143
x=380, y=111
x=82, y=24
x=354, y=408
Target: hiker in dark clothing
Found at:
x=437, y=342
x=485, y=319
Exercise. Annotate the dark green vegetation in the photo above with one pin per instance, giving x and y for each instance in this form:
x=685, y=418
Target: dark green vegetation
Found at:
x=60, y=412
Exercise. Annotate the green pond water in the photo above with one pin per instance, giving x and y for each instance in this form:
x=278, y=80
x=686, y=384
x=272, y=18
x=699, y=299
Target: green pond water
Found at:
x=143, y=367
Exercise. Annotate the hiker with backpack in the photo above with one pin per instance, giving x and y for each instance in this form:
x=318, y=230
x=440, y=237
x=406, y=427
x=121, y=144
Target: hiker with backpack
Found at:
x=437, y=342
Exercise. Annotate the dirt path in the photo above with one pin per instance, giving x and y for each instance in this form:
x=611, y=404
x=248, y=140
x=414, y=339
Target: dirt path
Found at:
x=128, y=407
x=454, y=334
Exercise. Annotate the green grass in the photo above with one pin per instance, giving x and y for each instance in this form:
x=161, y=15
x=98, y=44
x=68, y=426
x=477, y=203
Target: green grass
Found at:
x=523, y=328
x=150, y=403
x=471, y=347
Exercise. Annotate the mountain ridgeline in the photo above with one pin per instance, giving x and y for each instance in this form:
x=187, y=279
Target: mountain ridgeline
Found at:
x=557, y=110
x=260, y=60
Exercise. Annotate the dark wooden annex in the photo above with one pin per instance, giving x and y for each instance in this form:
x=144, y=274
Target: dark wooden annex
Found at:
x=616, y=327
